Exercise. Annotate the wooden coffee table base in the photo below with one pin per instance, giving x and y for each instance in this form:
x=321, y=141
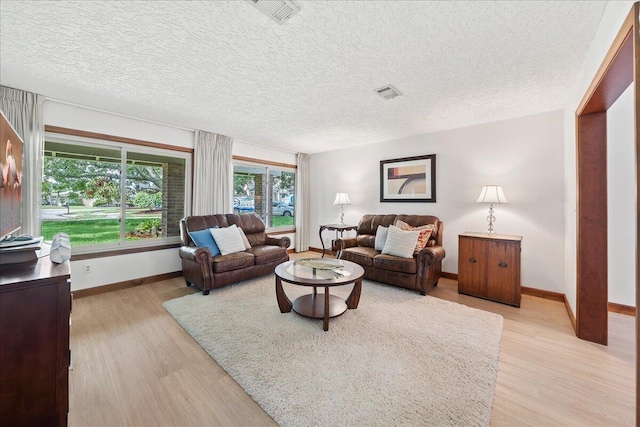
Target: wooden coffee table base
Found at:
x=314, y=306
x=318, y=306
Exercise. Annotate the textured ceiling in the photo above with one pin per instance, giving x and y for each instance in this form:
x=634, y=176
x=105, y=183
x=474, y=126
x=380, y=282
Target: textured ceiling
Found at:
x=307, y=85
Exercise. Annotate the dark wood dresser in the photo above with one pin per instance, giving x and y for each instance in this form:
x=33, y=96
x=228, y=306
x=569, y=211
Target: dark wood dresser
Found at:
x=489, y=266
x=35, y=305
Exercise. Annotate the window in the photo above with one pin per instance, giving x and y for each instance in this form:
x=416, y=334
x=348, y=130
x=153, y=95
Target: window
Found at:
x=106, y=195
x=267, y=190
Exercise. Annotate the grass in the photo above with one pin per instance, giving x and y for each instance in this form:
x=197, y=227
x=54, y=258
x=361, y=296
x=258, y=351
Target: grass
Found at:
x=89, y=231
x=279, y=221
x=95, y=231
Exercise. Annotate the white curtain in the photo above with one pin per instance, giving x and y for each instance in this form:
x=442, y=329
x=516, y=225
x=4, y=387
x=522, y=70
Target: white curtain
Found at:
x=24, y=110
x=302, y=203
x=212, y=174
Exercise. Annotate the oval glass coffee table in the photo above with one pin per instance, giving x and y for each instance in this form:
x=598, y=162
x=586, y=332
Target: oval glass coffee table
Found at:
x=319, y=273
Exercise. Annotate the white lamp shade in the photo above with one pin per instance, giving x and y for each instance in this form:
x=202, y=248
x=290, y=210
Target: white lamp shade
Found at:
x=492, y=194
x=342, y=199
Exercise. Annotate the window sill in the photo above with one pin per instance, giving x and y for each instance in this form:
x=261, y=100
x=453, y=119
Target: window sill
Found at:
x=122, y=251
x=276, y=231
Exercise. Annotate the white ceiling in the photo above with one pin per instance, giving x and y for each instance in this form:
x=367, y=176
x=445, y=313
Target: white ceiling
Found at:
x=307, y=85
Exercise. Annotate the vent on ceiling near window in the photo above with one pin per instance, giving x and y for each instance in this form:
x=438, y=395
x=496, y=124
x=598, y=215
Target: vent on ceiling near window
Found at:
x=278, y=10
x=388, y=92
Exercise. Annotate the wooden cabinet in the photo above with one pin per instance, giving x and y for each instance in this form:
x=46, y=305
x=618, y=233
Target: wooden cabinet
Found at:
x=489, y=266
x=35, y=305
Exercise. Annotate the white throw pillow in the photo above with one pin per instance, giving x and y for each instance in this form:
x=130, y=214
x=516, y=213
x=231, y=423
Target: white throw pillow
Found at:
x=228, y=239
x=400, y=243
x=245, y=241
x=381, y=237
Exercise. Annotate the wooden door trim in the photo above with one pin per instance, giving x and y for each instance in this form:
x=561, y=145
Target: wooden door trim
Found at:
x=616, y=46
x=614, y=75
x=619, y=68
x=636, y=78
x=591, y=231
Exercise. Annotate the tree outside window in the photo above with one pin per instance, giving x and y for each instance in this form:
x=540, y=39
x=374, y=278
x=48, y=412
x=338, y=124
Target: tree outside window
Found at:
x=86, y=180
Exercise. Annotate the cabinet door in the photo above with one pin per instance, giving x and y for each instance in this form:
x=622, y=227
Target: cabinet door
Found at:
x=503, y=271
x=471, y=266
x=28, y=356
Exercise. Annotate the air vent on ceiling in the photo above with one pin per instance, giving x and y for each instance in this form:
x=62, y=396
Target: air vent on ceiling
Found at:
x=278, y=10
x=388, y=92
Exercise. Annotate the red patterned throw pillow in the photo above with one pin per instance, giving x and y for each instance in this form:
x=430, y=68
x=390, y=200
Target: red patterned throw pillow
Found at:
x=425, y=233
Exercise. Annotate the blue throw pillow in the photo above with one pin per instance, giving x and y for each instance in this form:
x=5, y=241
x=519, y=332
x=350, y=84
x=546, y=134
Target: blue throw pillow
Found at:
x=203, y=238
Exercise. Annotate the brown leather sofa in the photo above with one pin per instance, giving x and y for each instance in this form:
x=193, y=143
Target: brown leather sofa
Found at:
x=420, y=273
x=207, y=272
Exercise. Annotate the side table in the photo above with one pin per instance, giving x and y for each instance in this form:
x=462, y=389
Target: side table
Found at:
x=338, y=228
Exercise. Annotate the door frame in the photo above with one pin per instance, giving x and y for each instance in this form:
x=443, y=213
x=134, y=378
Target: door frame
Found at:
x=620, y=68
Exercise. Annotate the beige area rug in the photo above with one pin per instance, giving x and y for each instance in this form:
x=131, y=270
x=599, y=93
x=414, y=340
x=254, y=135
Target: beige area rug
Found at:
x=399, y=359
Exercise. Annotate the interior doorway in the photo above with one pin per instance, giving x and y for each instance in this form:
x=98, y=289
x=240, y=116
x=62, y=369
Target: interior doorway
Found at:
x=619, y=69
x=621, y=186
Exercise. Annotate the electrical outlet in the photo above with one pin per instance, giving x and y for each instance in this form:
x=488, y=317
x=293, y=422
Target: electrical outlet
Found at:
x=87, y=268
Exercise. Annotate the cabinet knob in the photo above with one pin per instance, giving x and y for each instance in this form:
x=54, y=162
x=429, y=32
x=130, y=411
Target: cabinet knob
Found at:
x=502, y=264
x=472, y=260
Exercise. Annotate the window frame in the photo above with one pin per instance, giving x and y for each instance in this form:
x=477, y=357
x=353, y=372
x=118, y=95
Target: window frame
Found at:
x=126, y=145
x=267, y=165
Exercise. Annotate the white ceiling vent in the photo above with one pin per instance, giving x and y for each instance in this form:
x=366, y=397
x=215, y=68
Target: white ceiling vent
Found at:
x=388, y=92
x=278, y=10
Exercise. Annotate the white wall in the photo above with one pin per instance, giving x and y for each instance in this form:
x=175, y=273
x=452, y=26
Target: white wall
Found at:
x=614, y=15
x=524, y=155
x=621, y=203
x=114, y=269
x=120, y=268
x=246, y=149
x=74, y=117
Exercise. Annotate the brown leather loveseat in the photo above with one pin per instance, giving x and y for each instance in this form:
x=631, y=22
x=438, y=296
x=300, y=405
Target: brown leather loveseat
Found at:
x=207, y=272
x=420, y=273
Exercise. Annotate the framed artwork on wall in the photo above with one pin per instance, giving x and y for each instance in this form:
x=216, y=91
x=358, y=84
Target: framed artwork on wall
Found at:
x=410, y=179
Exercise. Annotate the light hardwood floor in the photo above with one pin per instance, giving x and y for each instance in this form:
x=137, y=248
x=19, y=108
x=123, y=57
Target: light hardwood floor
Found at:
x=133, y=365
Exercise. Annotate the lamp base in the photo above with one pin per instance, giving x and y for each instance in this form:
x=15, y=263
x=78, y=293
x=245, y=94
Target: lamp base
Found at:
x=491, y=219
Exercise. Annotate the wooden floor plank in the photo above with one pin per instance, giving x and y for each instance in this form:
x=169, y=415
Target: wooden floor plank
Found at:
x=135, y=366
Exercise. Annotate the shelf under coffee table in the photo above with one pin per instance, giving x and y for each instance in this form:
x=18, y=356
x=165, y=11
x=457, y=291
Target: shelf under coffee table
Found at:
x=319, y=273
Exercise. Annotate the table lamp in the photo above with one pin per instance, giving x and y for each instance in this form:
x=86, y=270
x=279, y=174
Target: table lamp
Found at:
x=491, y=194
x=342, y=199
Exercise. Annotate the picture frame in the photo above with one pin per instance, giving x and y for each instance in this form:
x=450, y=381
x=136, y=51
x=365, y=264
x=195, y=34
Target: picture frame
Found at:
x=408, y=179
